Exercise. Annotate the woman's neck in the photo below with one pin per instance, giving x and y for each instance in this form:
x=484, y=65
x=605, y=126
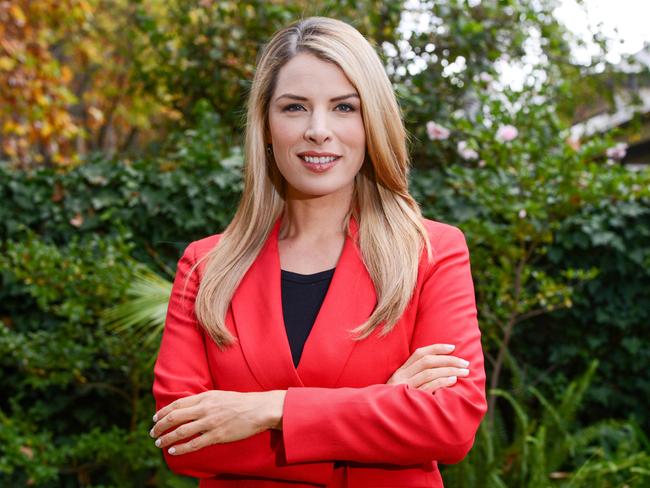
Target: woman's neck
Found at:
x=312, y=219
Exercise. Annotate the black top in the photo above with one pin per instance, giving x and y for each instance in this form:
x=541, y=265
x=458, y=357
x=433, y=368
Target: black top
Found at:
x=302, y=297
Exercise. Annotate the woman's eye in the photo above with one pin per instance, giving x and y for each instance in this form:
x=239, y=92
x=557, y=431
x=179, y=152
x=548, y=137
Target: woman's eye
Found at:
x=289, y=108
x=346, y=107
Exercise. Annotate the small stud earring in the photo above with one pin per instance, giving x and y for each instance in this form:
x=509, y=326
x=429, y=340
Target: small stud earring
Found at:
x=269, y=149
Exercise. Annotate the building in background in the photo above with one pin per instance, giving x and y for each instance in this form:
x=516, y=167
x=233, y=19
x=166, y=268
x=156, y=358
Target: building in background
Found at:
x=631, y=105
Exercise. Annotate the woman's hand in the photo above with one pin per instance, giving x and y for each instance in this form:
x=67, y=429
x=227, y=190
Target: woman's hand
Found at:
x=216, y=416
x=430, y=368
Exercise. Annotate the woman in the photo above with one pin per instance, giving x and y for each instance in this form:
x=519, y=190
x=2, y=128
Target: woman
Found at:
x=310, y=343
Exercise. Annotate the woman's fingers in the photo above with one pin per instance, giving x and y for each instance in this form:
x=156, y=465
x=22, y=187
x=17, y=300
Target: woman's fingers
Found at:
x=431, y=375
x=424, y=363
x=183, y=432
x=430, y=368
x=180, y=403
x=214, y=416
x=205, y=439
x=430, y=361
x=437, y=384
x=175, y=417
x=433, y=349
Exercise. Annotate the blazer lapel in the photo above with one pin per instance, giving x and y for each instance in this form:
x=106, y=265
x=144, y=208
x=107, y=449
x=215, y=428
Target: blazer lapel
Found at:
x=257, y=313
x=349, y=301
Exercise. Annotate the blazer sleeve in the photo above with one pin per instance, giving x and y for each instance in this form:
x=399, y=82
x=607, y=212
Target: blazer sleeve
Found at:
x=182, y=370
x=399, y=424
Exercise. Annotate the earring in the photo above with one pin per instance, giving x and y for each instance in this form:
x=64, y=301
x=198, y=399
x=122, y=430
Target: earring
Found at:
x=269, y=149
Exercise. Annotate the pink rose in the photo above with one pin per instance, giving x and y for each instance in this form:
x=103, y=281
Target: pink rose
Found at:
x=485, y=77
x=466, y=152
x=573, y=142
x=618, y=151
x=506, y=133
x=437, y=132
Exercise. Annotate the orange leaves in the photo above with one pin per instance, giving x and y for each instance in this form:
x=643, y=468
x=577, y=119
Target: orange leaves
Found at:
x=66, y=80
x=95, y=117
x=6, y=63
x=34, y=120
x=19, y=17
x=58, y=192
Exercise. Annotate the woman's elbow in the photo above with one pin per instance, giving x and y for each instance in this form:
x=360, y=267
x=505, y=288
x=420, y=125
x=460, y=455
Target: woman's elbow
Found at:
x=455, y=454
x=458, y=438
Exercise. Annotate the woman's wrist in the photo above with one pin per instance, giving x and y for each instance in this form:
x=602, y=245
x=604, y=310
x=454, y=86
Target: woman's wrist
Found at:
x=275, y=408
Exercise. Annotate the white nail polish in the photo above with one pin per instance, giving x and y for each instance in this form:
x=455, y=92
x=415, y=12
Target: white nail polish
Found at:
x=151, y=434
x=157, y=443
x=171, y=450
x=155, y=418
x=464, y=372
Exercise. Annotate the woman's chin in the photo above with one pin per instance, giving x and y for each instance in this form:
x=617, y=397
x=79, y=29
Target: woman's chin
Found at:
x=305, y=192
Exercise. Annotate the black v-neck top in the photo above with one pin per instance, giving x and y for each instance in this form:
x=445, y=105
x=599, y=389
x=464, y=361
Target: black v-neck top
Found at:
x=302, y=297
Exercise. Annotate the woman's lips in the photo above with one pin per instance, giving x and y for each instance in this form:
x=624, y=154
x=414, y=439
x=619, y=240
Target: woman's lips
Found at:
x=319, y=167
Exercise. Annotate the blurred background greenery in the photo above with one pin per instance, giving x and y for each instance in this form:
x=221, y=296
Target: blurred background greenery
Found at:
x=120, y=142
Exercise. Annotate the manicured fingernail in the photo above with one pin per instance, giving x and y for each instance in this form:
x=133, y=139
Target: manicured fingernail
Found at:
x=155, y=418
x=171, y=450
x=448, y=347
x=151, y=434
x=158, y=442
x=464, y=363
x=452, y=379
x=464, y=372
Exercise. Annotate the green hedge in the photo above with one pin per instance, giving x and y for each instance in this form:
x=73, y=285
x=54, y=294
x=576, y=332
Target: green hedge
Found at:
x=610, y=318
x=76, y=405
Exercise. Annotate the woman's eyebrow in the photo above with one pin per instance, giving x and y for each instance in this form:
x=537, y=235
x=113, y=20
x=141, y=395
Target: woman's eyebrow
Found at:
x=298, y=97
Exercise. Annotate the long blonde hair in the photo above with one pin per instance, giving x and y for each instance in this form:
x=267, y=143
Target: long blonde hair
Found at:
x=391, y=234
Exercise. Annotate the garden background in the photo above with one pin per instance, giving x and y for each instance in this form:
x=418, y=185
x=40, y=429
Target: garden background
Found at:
x=121, y=132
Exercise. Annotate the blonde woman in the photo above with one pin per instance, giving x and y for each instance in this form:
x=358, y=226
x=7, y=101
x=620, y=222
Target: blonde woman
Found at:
x=329, y=336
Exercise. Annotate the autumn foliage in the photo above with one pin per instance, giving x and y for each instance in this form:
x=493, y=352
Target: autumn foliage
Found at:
x=66, y=71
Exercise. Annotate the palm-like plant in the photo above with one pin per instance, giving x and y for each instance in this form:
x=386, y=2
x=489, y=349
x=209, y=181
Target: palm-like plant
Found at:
x=142, y=314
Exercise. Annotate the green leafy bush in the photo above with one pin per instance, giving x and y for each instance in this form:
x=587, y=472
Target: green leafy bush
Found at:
x=609, y=319
x=167, y=201
x=537, y=443
x=76, y=404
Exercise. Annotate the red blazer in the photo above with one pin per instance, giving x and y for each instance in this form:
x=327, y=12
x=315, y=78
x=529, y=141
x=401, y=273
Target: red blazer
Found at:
x=342, y=425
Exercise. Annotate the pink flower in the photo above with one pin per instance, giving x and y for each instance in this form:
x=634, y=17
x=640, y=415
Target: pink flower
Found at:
x=437, y=132
x=618, y=151
x=465, y=151
x=522, y=213
x=485, y=77
x=77, y=220
x=481, y=163
x=573, y=142
x=506, y=133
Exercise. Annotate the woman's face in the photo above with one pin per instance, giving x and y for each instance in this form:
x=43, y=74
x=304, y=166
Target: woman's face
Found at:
x=317, y=131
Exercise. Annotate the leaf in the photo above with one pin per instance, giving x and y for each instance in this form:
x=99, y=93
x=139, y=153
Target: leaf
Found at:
x=6, y=63
x=142, y=315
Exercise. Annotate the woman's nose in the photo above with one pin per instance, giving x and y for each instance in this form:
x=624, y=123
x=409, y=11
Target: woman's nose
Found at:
x=318, y=130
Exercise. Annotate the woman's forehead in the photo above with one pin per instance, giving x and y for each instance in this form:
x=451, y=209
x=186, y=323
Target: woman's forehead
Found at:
x=307, y=76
